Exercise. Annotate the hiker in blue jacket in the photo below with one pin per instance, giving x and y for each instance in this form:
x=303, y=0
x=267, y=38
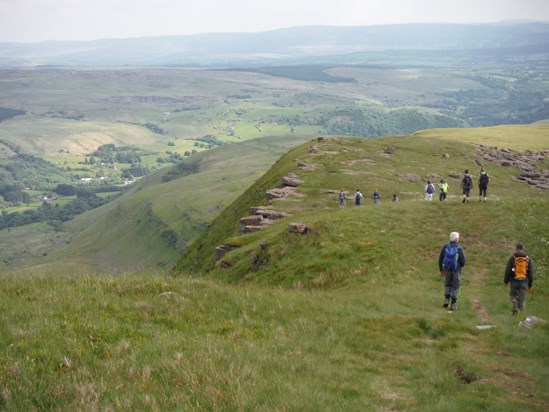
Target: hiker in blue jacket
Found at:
x=450, y=261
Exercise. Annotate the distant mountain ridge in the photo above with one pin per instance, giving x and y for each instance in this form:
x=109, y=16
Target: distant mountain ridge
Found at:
x=281, y=46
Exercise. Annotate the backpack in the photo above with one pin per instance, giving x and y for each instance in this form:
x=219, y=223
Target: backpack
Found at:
x=430, y=188
x=341, y=196
x=451, y=256
x=484, y=179
x=521, y=267
x=467, y=181
x=358, y=196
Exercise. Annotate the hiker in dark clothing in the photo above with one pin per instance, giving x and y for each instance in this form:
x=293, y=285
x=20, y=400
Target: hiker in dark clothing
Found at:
x=466, y=185
x=358, y=197
x=450, y=261
x=483, y=181
x=519, y=273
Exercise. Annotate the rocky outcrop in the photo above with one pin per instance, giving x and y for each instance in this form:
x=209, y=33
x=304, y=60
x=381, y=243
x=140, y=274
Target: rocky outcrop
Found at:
x=220, y=251
x=409, y=177
x=307, y=166
x=526, y=161
x=299, y=228
x=292, y=180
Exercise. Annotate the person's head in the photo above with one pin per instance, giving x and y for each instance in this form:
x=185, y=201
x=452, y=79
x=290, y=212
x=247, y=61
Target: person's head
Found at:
x=441, y=180
x=357, y=190
x=454, y=237
x=520, y=247
x=482, y=170
x=466, y=171
x=428, y=182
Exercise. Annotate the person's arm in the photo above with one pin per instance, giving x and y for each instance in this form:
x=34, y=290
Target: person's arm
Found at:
x=530, y=274
x=509, y=270
x=441, y=259
x=461, y=258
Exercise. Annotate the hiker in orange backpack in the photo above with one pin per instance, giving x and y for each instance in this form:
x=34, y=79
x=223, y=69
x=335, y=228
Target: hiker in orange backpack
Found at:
x=520, y=274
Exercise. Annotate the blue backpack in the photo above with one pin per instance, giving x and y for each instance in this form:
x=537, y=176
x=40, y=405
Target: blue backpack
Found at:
x=451, y=256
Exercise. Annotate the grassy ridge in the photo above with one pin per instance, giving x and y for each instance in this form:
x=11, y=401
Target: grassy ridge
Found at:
x=151, y=224
x=347, y=317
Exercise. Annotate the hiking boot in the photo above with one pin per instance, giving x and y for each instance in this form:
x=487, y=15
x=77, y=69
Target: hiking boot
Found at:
x=446, y=303
x=463, y=200
x=454, y=306
x=515, y=312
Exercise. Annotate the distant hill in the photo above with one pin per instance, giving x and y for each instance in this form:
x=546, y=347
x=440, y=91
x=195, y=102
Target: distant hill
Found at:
x=284, y=46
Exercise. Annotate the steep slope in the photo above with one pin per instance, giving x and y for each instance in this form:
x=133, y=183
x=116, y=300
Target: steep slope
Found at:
x=150, y=225
x=344, y=244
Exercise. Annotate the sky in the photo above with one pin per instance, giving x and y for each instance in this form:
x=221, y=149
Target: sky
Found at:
x=38, y=20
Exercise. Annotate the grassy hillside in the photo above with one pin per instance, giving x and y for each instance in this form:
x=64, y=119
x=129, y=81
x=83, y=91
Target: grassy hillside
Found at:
x=151, y=225
x=345, y=317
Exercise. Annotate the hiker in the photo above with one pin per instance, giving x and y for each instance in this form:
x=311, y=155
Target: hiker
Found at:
x=450, y=261
x=342, y=199
x=358, y=197
x=395, y=197
x=376, y=196
x=520, y=274
x=443, y=186
x=483, y=181
x=466, y=185
x=429, y=189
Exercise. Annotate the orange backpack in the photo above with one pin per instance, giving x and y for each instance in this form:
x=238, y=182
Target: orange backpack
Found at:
x=521, y=267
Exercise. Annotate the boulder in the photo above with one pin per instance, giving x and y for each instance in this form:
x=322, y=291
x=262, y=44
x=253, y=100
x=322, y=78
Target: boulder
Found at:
x=299, y=228
x=390, y=150
x=251, y=220
x=271, y=214
x=250, y=229
x=292, y=180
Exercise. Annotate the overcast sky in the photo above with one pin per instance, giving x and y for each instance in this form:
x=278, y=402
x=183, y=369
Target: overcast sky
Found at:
x=36, y=20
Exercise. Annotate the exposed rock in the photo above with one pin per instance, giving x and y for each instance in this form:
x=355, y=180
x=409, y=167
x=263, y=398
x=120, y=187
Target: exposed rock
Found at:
x=253, y=210
x=225, y=265
x=446, y=155
x=292, y=179
x=434, y=176
x=465, y=377
x=282, y=193
x=271, y=214
x=220, y=251
x=390, y=150
x=324, y=139
x=251, y=220
x=526, y=162
x=307, y=166
x=299, y=228
x=409, y=176
x=250, y=229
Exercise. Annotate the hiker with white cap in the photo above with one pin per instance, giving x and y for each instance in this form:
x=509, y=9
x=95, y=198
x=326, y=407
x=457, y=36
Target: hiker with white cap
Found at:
x=450, y=261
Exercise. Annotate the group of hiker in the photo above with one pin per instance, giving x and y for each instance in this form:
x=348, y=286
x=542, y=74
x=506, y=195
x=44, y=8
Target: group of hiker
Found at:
x=519, y=274
x=466, y=185
x=429, y=189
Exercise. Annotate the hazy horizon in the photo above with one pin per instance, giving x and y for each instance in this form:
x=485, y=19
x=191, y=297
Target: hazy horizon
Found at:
x=24, y=21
